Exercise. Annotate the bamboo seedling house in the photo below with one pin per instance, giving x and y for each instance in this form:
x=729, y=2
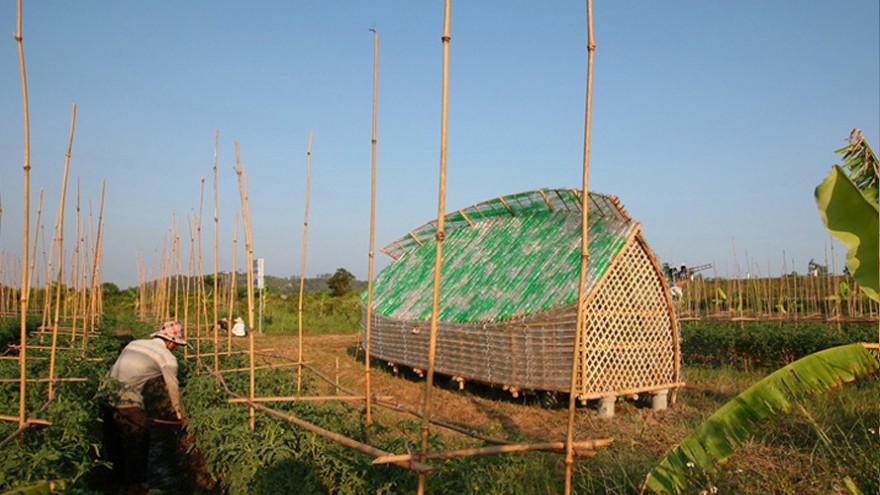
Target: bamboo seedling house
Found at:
x=509, y=291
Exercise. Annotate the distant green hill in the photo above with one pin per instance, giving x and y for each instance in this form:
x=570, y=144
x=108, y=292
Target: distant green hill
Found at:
x=287, y=285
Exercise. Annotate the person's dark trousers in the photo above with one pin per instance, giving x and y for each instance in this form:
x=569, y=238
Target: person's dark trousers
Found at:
x=126, y=443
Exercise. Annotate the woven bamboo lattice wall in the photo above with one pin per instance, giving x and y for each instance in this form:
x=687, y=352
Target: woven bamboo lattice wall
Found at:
x=630, y=342
x=522, y=251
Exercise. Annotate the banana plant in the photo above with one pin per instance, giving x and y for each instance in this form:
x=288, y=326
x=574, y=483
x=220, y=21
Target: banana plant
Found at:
x=716, y=439
x=848, y=204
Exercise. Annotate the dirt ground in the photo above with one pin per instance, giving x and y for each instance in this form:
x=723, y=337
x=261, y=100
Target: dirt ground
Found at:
x=490, y=410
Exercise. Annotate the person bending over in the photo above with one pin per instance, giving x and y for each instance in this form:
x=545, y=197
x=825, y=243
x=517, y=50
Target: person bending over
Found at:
x=126, y=434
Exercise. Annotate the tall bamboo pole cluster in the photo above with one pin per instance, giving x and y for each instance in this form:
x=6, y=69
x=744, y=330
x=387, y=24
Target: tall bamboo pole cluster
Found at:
x=817, y=297
x=77, y=304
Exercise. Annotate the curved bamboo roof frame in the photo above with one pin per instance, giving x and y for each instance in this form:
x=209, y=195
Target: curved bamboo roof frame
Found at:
x=508, y=304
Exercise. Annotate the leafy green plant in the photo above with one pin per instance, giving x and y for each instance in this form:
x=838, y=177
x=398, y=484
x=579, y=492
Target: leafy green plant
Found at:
x=847, y=202
x=716, y=438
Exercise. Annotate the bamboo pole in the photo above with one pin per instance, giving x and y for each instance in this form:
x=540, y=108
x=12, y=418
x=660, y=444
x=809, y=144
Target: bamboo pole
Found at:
x=262, y=367
x=249, y=252
x=77, y=268
x=233, y=277
x=216, y=241
x=438, y=259
x=59, y=226
x=200, y=283
x=582, y=279
x=298, y=398
x=175, y=225
x=192, y=244
x=95, y=261
x=23, y=292
x=302, y=266
x=585, y=448
x=30, y=280
x=368, y=419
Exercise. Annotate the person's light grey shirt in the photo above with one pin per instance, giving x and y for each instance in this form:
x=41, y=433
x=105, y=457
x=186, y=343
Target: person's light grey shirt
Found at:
x=139, y=362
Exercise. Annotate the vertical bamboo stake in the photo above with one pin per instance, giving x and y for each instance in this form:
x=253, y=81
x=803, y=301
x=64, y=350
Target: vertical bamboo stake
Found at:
x=23, y=292
x=200, y=292
x=216, y=229
x=192, y=269
x=74, y=274
x=95, y=285
x=369, y=314
x=59, y=227
x=178, y=268
x=232, y=293
x=438, y=259
x=582, y=278
x=249, y=252
x=187, y=292
x=302, y=269
x=30, y=280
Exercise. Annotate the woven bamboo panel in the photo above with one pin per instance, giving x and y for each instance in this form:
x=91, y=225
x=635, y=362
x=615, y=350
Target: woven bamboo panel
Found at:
x=528, y=353
x=628, y=344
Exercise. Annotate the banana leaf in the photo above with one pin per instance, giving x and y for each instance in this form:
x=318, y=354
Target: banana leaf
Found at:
x=716, y=438
x=853, y=220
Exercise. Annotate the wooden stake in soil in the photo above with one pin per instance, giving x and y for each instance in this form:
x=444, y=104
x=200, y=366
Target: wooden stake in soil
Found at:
x=59, y=227
x=233, y=276
x=216, y=237
x=23, y=291
x=94, y=282
x=438, y=260
x=582, y=279
x=249, y=252
x=368, y=420
x=302, y=268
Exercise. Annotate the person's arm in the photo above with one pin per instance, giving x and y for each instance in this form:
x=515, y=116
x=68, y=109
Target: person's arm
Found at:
x=169, y=373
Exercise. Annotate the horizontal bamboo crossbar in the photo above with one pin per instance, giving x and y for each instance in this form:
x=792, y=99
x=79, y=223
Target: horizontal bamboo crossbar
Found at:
x=42, y=380
x=341, y=439
x=297, y=398
x=262, y=367
x=404, y=409
x=584, y=448
x=32, y=421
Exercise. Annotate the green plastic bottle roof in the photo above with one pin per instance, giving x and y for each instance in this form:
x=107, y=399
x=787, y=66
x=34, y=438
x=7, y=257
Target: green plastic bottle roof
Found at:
x=503, y=258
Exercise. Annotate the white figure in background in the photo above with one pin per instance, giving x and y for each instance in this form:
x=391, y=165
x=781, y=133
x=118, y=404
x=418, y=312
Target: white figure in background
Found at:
x=238, y=328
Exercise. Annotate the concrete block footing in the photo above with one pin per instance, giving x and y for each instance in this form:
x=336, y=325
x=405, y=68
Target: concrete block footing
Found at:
x=606, y=406
x=660, y=400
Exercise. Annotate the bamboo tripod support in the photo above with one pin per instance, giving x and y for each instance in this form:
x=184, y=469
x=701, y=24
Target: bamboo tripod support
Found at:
x=438, y=260
x=368, y=419
x=302, y=267
x=582, y=279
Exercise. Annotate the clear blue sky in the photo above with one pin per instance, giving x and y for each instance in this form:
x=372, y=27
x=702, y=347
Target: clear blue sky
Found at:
x=713, y=121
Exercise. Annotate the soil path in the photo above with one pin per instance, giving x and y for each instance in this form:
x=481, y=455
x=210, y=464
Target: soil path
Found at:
x=487, y=409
